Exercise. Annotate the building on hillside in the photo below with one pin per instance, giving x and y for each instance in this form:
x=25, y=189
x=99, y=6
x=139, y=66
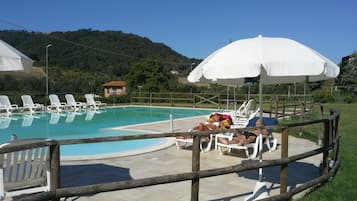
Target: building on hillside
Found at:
x=114, y=88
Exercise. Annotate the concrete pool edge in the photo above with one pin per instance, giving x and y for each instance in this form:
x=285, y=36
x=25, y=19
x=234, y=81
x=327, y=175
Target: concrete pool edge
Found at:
x=162, y=127
x=164, y=143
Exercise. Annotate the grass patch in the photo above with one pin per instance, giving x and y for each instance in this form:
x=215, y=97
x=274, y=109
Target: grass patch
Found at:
x=342, y=187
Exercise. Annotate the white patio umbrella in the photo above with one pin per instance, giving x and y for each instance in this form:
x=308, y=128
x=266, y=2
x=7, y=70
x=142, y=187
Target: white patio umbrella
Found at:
x=272, y=60
x=13, y=60
x=275, y=60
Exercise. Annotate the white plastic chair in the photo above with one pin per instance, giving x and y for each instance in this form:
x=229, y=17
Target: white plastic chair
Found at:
x=229, y=147
x=93, y=103
x=270, y=142
x=242, y=122
x=181, y=143
x=29, y=105
x=56, y=104
x=72, y=103
x=240, y=109
x=245, y=110
x=6, y=105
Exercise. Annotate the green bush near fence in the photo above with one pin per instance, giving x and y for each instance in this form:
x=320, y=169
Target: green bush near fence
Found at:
x=322, y=96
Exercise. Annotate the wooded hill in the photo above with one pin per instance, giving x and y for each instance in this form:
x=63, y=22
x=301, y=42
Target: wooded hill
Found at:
x=89, y=50
x=88, y=57
x=81, y=61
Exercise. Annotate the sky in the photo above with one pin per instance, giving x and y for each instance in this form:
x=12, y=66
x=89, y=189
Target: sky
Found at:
x=196, y=28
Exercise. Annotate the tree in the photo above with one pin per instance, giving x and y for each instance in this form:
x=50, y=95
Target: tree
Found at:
x=348, y=74
x=150, y=75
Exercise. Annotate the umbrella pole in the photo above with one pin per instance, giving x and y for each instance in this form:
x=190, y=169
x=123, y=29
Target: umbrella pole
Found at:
x=261, y=117
x=260, y=190
x=227, y=107
x=234, y=99
x=260, y=98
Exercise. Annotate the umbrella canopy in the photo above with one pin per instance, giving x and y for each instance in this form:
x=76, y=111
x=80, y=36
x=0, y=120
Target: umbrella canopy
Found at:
x=275, y=60
x=272, y=60
x=13, y=60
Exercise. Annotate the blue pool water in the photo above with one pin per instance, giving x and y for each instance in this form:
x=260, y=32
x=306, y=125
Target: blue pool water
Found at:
x=90, y=124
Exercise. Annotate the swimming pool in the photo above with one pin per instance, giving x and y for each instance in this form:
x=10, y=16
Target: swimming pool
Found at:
x=90, y=124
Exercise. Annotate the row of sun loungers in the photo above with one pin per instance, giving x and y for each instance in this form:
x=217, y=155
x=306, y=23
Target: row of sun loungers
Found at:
x=55, y=104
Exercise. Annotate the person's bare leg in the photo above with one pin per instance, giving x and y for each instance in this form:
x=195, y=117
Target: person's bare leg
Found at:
x=201, y=127
x=223, y=140
x=241, y=140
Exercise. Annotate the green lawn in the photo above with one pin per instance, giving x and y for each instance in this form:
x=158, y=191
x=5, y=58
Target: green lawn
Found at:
x=343, y=186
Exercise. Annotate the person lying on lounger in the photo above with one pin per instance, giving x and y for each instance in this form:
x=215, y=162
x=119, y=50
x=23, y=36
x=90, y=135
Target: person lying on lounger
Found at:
x=247, y=137
x=215, y=121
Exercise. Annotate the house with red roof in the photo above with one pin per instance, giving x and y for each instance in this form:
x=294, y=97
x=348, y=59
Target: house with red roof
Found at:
x=114, y=88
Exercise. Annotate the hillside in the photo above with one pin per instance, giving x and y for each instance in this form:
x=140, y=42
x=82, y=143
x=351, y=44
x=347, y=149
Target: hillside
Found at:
x=85, y=59
x=88, y=50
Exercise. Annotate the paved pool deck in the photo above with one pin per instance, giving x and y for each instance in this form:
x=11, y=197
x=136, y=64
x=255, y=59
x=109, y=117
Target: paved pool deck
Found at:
x=168, y=160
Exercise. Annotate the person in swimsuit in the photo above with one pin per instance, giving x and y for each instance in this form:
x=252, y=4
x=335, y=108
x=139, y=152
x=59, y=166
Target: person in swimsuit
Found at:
x=215, y=121
x=246, y=137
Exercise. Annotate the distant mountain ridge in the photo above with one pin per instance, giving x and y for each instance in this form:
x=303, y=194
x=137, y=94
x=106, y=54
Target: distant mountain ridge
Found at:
x=94, y=51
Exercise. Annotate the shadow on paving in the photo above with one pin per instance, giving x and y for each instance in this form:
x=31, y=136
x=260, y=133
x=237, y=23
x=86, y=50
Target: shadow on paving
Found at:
x=298, y=173
x=80, y=175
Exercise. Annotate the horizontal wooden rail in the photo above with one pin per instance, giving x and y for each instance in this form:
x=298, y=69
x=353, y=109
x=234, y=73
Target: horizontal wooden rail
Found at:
x=26, y=144
x=331, y=142
x=129, y=184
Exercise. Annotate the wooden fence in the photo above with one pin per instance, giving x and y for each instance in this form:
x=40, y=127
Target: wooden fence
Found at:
x=329, y=149
x=213, y=100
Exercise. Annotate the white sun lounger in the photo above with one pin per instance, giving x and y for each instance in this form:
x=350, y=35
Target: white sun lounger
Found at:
x=270, y=142
x=55, y=104
x=93, y=103
x=73, y=104
x=205, y=145
x=29, y=105
x=6, y=105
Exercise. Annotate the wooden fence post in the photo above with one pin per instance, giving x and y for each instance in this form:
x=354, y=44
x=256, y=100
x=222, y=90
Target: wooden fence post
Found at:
x=284, y=154
x=195, y=167
x=55, y=168
x=325, y=145
x=336, y=137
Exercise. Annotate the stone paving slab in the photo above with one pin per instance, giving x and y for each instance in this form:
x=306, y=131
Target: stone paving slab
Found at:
x=169, y=160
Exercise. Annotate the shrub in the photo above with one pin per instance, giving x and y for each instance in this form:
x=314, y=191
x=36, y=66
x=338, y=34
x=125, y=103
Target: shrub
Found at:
x=348, y=99
x=322, y=96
